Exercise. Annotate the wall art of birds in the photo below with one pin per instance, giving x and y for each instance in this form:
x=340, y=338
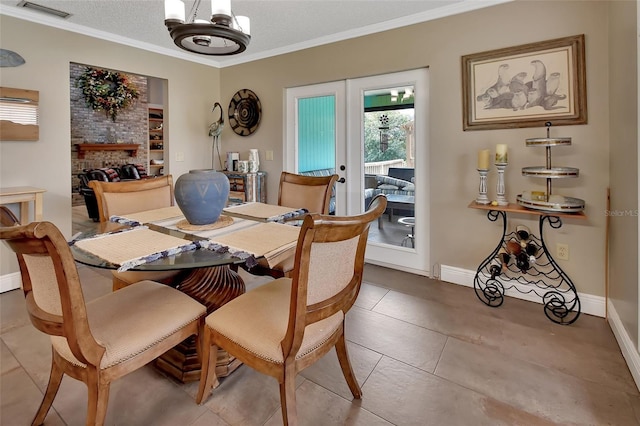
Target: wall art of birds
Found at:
x=517, y=94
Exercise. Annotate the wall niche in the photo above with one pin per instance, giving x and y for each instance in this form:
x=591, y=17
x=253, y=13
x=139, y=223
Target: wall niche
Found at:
x=89, y=126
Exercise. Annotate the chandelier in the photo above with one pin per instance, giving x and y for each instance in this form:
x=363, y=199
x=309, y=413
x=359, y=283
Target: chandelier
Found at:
x=223, y=34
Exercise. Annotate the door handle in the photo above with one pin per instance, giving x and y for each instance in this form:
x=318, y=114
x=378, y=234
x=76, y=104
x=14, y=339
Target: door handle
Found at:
x=341, y=180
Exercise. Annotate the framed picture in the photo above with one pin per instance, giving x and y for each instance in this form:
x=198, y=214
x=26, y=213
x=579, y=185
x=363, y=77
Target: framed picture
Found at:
x=525, y=86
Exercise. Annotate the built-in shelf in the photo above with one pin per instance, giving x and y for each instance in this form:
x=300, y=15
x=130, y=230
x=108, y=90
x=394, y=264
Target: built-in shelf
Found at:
x=132, y=149
x=156, y=140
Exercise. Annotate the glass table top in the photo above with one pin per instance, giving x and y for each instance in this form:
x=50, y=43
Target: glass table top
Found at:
x=199, y=258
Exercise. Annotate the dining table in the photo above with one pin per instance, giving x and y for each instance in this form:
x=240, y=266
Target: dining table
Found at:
x=207, y=257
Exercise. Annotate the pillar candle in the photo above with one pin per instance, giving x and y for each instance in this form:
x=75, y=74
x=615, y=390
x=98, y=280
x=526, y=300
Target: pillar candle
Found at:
x=483, y=159
x=501, y=153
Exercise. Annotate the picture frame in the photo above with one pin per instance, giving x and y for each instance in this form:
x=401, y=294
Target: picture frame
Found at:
x=526, y=85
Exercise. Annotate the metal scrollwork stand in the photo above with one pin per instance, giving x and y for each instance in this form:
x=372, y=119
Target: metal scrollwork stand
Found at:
x=544, y=277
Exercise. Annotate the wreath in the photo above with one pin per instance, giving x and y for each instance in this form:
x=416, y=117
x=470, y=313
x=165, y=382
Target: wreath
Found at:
x=106, y=90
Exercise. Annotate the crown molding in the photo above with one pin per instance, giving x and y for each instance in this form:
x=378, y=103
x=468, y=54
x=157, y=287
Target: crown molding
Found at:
x=442, y=12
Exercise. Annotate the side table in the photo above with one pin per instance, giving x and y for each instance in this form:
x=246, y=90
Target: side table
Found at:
x=545, y=278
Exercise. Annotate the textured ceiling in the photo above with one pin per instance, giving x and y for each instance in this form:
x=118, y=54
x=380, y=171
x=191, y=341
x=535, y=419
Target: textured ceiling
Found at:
x=277, y=26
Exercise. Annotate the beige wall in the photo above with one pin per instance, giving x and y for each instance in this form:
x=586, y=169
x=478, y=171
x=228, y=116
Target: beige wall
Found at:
x=623, y=287
x=462, y=237
x=192, y=89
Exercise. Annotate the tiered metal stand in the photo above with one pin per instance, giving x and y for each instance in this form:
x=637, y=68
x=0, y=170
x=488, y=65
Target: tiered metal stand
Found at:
x=544, y=278
x=550, y=202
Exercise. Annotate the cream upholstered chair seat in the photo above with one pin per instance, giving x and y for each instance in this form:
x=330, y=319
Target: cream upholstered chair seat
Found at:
x=286, y=325
x=105, y=339
x=259, y=321
x=123, y=279
x=122, y=198
x=144, y=328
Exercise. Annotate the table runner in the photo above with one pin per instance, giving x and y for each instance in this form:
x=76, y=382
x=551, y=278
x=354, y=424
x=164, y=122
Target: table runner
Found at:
x=135, y=246
x=263, y=212
x=274, y=241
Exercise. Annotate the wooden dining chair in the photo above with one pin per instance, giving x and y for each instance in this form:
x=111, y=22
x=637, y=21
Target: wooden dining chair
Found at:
x=298, y=191
x=121, y=198
x=7, y=217
x=102, y=340
x=309, y=192
x=286, y=325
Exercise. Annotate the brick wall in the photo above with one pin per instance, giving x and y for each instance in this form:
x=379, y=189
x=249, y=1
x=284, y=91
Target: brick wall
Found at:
x=90, y=126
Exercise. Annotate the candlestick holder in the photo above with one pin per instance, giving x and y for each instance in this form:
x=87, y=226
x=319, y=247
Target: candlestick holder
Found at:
x=482, y=190
x=500, y=190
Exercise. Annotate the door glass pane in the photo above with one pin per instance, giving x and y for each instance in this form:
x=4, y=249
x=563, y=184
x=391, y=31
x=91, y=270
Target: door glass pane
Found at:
x=389, y=160
x=316, y=133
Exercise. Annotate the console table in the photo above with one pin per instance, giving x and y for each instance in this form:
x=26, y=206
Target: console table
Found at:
x=24, y=195
x=544, y=277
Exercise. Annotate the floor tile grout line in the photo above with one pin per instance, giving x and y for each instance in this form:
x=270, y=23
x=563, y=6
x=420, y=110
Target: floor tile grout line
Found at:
x=353, y=399
x=485, y=346
x=31, y=378
x=405, y=322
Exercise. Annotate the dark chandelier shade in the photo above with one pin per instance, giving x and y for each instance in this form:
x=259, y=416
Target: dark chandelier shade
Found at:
x=224, y=34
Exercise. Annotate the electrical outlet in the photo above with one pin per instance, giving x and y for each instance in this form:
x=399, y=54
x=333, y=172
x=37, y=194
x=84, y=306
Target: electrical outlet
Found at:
x=562, y=251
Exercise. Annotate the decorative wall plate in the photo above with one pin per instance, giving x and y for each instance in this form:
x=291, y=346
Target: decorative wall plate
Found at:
x=244, y=112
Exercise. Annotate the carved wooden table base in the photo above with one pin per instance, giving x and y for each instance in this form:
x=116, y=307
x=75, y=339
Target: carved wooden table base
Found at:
x=213, y=287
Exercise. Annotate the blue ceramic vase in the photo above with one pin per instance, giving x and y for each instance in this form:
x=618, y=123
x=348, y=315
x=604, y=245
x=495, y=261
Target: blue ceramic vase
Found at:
x=201, y=195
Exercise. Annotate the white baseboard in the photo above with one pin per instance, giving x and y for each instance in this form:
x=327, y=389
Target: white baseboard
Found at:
x=589, y=304
x=629, y=351
x=10, y=281
x=399, y=268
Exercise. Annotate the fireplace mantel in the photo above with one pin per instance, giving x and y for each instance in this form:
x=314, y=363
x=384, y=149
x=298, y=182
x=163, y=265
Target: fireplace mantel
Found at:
x=131, y=148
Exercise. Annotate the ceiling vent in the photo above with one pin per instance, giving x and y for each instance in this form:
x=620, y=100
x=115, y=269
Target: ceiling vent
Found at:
x=43, y=9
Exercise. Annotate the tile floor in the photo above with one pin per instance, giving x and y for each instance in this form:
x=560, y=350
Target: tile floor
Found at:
x=425, y=353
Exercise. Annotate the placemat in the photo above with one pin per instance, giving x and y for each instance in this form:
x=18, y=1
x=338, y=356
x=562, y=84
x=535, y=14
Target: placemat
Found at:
x=135, y=246
x=148, y=216
x=263, y=212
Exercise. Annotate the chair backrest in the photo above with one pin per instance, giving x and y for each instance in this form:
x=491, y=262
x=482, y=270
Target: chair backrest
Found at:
x=120, y=198
x=310, y=192
x=7, y=218
x=52, y=288
x=329, y=264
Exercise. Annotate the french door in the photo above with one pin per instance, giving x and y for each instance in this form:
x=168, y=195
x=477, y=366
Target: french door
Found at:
x=336, y=125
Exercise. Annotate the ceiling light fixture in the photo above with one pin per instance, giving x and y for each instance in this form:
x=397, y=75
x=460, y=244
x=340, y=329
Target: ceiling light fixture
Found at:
x=223, y=34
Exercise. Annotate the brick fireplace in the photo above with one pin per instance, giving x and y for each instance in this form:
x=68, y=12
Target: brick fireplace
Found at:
x=95, y=127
